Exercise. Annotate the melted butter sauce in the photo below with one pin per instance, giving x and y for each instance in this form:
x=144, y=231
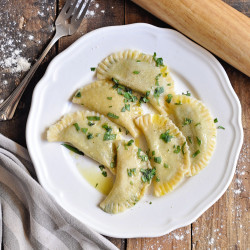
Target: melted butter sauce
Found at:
x=95, y=178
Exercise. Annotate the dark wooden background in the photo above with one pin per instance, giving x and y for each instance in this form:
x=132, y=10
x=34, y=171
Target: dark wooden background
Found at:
x=27, y=25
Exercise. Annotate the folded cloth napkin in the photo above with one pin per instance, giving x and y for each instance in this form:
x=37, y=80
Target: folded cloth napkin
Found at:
x=29, y=216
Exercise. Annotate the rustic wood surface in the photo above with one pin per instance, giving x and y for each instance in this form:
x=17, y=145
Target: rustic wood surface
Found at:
x=26, y=26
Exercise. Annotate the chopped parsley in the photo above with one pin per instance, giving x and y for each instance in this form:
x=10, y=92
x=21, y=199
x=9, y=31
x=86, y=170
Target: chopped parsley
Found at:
x=143, y=99
x=136, y=72
x=91, y=123
x=127, y=107
x=131, y=183
x=189, y=139
x=195, y=153
x=84, y=130
x=147, y=174
x=107, y=136
x=187, y=121
x=123, y=109
x=90, y=136
x=215, y=120
x=198, y=141
x=166, y=165
x=106, y=127
x=142, y=157
x=101, y=167
x=158, y=61
x=115, y=80
x=158, y=91
x=104, y=173
x=130, y=142
x=131, y=171
x=78, y=94
x=153, y=153
x=93, y=118
x=138, y=60
x=170, y=96
x=187, y=94
x=182, y=148
x=73, y=149
x=157, y=79
x=76, y=126
x=109, y=98
x=157, y=160
x=178, y=103
x=150, y=202
x=169, y=84
x=92, y=69
x=96, y=185
x=157, y=179
x=197, y=124
x=177, y=150
x=220, y=127
x=111, y=115
x=166, y=137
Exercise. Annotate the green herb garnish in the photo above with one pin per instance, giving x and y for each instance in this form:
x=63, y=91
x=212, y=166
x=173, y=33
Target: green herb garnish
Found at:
x=131, y=171
x=73, y=149
x=153, y=153
x=93, y=118
x=157, y=179
x=123, y=109
x=195, y=153
x=115, y=80
x=136, y=72
x=76, y=126
x=84, y=130
x=220, y=127
x=111, y=115
x=92, y=69
x=182, y=148
x=157, y=79
x=157, y=160
x=178, y=103
x=101, y=167
x=189, y=139
x=91, y=123
x=127, y=107
x=215, y=120
x=78, y=94
x=166, y=165
x=158, y=91
x=90, y=136
x=109, y=98
x=104, y=173
x=166, y=137
x=187, y=121
x=197, y=124
x=106, y=127
x=142, y=157
x=187, y=94
x=177, y=150
x=198, y=141
x=147, y=174
x=107, y=136
x=130, y=142
x=158, y=61
x=170, y=96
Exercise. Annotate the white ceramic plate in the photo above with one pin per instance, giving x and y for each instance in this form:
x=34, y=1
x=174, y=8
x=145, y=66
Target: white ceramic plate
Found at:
x=193, y=69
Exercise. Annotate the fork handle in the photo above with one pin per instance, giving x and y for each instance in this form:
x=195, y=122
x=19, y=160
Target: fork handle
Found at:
x=8, y=107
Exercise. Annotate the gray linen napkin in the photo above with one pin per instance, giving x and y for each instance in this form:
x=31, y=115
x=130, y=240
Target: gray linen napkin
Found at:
x=29, y=217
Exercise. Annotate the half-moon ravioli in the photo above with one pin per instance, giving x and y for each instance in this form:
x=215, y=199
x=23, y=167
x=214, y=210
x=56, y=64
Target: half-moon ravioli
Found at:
x=168, y=151
x=197, y=125
x=143, y=73
x=114, y=101
x=89, y=132
x=134, y=174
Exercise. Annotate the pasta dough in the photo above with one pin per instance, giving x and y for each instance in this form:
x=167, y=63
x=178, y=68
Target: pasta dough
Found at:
x=89, y=132
x=140, y=72
x=197, y=125
x=169, y=152
x=130, y=183
x=120, y=105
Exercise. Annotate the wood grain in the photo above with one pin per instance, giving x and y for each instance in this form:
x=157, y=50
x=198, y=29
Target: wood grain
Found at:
x=225, y=224
x=213, y=24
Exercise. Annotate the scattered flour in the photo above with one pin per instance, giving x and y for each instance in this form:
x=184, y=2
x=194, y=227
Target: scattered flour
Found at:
x=15, y=64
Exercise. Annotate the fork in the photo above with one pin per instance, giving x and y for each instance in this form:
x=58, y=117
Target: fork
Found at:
x=67, y=23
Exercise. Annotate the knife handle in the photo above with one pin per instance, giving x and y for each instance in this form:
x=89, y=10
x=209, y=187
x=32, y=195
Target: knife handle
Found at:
x=212, y=23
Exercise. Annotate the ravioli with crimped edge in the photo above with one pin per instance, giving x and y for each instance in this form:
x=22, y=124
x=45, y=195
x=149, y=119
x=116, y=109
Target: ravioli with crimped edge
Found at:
x=169, y=153
x=146, y=74
x=89, y=132
x=134, y=174
x=194, y=120
x=117, y=102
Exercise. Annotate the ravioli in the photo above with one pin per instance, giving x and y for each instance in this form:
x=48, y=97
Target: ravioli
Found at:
x=91, y=133
x=143, y=73
x=197, y=125
x=169, y=151
x=114, y=101
x=134, y=174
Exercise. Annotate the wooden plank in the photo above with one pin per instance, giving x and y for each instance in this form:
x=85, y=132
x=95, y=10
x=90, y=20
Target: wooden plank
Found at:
x=180, y=238
x=25, y=28
x=100, y=14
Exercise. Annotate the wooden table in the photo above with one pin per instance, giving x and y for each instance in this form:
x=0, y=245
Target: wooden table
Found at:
x=26, y=26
